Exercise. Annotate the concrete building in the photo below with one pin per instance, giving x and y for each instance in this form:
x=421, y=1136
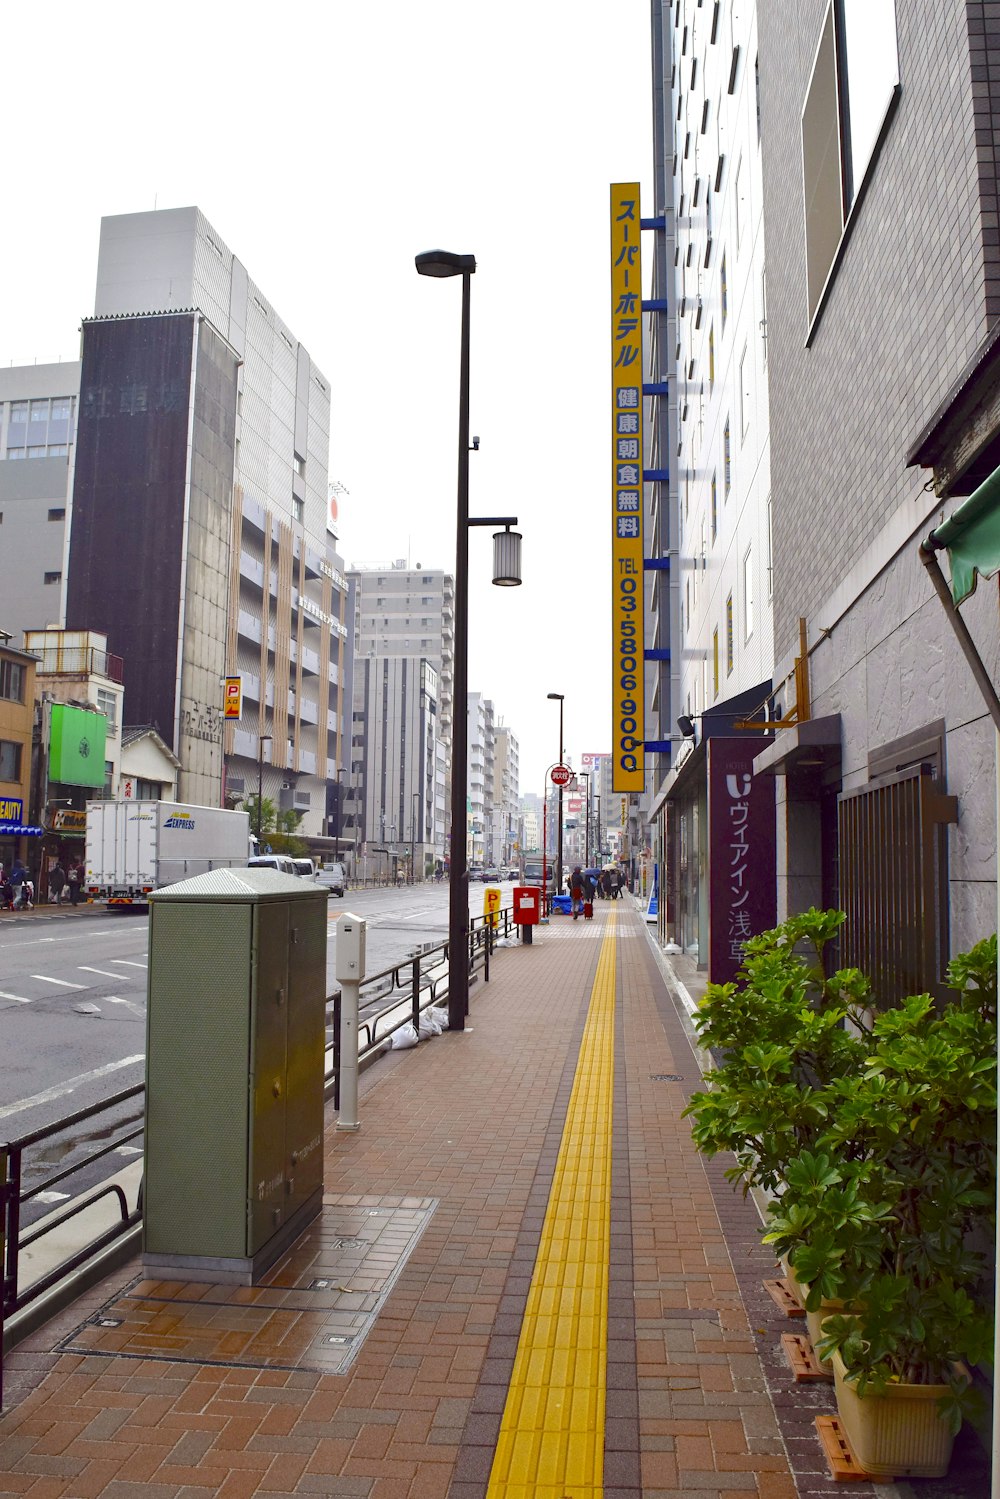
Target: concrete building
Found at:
x=481, y=753
x=880, y=209
x=17, y=711
x=506, y=796
x=38, y=410
x=723, y=649
x=204, y=421
x=399, y=614
x=396, y=714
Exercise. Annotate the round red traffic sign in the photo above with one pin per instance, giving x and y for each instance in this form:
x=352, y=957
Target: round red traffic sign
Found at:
x=561, y=775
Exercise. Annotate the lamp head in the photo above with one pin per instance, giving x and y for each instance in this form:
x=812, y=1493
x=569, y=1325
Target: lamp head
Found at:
x=444, y=263
x=557, y=697
x=686, y=726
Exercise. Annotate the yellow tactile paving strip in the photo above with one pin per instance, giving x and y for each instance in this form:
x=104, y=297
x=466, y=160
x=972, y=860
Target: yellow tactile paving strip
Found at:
x=551, y=1443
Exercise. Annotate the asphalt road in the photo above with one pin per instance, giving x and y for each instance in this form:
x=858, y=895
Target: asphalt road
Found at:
x=73, y=994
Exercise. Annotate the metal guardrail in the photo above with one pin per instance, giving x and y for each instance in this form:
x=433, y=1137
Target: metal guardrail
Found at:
x=421, y=979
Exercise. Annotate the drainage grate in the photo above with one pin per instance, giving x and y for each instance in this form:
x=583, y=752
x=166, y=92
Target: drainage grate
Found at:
x=665, y=1077
x=350, y=1244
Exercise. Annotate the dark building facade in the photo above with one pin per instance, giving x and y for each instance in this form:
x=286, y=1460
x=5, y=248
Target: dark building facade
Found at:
x=151, y=523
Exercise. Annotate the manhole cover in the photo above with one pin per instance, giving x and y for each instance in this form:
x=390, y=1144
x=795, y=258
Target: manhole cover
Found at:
x=109, y=1322
x=338, y=1340
x=348, y=1243
x=665, y=1077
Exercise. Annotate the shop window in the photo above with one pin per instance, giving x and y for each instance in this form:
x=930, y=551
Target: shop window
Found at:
x=10, y=760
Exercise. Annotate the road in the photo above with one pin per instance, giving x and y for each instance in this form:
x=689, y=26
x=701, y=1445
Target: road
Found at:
x=73, y=994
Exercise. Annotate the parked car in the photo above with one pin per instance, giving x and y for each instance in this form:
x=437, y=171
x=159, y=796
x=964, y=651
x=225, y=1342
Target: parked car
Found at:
x=491, y=876
x=280, y=862
x=333, y=876
x=475, y=872
x=304, y=868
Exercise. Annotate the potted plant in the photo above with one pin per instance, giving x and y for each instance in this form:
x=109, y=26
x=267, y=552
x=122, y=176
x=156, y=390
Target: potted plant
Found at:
x=778, y=1039
x=890, y=1214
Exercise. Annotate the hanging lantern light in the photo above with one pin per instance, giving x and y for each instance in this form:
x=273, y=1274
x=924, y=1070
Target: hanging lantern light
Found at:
x=507, y=558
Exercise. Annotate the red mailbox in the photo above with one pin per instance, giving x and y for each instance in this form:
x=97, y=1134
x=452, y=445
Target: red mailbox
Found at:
x=527, y=908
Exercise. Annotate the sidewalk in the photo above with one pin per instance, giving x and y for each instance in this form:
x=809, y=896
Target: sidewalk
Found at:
x=525, y=1281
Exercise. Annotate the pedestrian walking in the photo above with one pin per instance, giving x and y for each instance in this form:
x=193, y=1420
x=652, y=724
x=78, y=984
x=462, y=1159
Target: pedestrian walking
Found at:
x=576, y=890
x=21, y=886
x=75, y=881
x=57, y=883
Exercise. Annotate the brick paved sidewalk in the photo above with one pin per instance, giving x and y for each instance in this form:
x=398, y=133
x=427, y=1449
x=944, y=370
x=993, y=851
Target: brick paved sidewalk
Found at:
x=429, y=1236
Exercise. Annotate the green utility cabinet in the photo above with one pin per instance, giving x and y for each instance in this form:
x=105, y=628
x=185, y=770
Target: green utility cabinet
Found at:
x=235, y=1033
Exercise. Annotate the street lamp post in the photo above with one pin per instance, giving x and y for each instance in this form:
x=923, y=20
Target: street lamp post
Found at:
x=506, y=571
x=261, y=740
x=558, y=697
x=338, y=792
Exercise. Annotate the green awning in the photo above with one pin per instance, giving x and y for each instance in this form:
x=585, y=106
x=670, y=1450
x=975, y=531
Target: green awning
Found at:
x=971, y=538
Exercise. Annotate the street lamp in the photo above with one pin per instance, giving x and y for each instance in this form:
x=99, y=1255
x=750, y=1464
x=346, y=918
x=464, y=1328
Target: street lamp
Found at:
x=558, y=697
x=336, y=822
x=261, y=740
x=506, y=569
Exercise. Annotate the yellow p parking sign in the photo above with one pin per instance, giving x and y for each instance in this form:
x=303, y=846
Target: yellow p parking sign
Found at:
x=491, y=905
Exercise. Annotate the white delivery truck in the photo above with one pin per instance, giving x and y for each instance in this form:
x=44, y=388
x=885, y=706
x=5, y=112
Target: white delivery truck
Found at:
x=134, y=847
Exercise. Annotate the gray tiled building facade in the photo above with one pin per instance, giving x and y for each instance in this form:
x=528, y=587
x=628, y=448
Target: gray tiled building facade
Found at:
x=867, y=335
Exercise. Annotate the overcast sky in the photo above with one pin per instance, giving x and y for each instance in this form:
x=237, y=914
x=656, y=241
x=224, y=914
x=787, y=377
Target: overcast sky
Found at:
x=328, y=144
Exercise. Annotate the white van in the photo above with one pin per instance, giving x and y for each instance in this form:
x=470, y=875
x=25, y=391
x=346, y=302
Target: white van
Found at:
x=333, y=877
x=280, y=862
x=304, y=868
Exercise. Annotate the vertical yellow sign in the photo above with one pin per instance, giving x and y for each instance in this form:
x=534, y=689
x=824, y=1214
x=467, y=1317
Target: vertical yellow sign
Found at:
x=491, y=905
x=627, y=690
x=234, y=698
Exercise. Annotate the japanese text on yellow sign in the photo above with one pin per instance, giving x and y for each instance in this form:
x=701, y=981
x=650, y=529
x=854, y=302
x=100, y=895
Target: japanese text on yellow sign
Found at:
x=491, y=905
x=628, y=726
x=234, y=698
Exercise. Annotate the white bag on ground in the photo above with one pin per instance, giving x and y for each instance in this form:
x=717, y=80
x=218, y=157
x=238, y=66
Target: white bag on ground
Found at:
x=440, y=1016
x=405, y=1037
x=429, y=1025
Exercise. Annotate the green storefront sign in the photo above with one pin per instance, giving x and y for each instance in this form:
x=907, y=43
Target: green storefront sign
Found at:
x=76, y=746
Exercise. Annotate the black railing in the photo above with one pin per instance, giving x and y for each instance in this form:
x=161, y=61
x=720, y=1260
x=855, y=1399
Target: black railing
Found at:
x=416, y=983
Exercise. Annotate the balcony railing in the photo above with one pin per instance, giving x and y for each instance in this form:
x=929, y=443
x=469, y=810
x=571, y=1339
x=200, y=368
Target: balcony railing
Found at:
x=78, y=661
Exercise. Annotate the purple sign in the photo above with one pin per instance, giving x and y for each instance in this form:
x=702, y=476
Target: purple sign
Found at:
x=742, y=896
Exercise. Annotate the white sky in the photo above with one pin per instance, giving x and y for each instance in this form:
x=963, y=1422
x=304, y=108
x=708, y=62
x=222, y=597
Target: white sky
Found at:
x=328, y=144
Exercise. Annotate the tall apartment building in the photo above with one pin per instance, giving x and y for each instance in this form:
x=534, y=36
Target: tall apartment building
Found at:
x=723, y=647
x=481, y=759
x=880, y=208
x=199, y=534
x=398, y=615
x=38, y=409
x=506, y=797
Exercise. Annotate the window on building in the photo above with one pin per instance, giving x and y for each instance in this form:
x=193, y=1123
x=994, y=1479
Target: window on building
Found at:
x=715, y=507
x=57, y=450
x=854, y=80
x=715, y=662
x=19, y=411
x=756, y=92
x=730, y=645
x=38, y=452
x=727, y=460
x=61, y=409
x=746, y=395
x=711, y=356
x=748, y=593
x=39, y=411
x=57, y=513
x=299, y=465
x=53, y=577
x=108, y=704
x=12, y=681
x=763, y=310
x=723, y=293
x=10, y=760
x=298, y=509
x=770, y=551
x=16, y=453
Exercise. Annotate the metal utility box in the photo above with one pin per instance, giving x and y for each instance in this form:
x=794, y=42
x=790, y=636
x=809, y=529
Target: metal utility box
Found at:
x=235, y=1034
x=527, y=905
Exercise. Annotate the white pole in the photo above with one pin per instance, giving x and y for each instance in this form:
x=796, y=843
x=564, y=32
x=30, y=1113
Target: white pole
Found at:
x=351, y=943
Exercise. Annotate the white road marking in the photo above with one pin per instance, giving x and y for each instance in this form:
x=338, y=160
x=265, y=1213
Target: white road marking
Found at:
x=18, y=997
x=64, y=982
x=128, y=962
x=51, y=1196
x=69, y=1085
x=128, y=1150
x=115, y=999
x=425, y=912
x=104, y=972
